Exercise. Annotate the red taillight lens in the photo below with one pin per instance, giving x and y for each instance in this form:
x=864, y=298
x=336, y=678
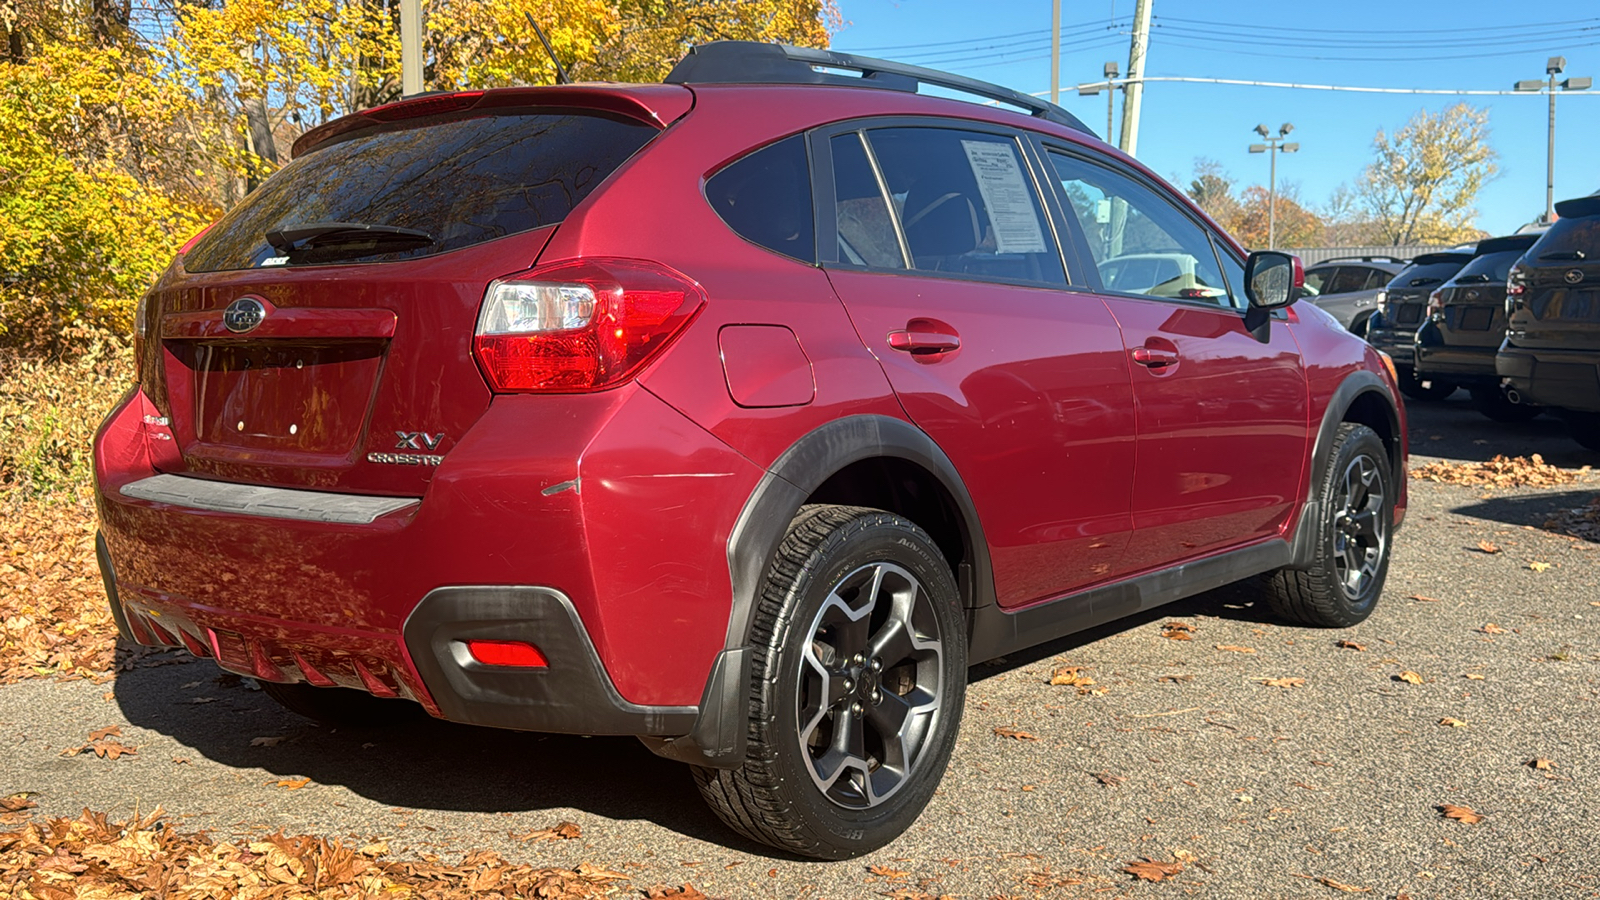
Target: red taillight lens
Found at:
x=507, y=653
x=424, y=106
x=585, y=325
x=1516, y=281
x=1436, y=302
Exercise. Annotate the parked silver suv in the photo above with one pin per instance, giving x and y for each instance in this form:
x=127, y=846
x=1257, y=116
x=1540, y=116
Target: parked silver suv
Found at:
x=1350, y=288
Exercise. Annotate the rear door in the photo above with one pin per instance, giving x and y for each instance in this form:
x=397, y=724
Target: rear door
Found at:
x=345, y=361
x=941, y=250
x=1222, y=418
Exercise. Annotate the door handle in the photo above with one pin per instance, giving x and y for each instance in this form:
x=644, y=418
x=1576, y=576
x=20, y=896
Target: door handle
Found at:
x=923, y=341
x=1153, y=358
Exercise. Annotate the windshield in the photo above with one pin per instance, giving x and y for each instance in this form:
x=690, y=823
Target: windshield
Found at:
x=1415, y=276
x=1567, y=236
x=460, y=182
x=1490, y=267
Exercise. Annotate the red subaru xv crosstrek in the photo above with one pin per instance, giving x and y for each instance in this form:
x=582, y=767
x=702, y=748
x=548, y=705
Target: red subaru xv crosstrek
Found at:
x=740, y=413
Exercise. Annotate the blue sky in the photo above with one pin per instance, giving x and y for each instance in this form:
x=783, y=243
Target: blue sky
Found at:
x=1469, y=44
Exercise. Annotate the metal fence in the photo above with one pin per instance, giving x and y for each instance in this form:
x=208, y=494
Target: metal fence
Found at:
x=1311, y=255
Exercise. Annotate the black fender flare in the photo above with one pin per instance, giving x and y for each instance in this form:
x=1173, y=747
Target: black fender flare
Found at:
x=719, y=734
x=1355, y=385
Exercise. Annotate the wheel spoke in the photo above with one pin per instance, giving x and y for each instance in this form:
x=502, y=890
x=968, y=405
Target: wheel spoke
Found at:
x=1365, y=524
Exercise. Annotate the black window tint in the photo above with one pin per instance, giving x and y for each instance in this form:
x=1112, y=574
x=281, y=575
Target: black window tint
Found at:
x=1424, y=275
x=1376, y=278
x=1349, y=278
x=462, y=182
x=766, y=199
x=1317, y=280
x=866, y=230
x=1580, y=234
x=1140, y=241
x=1488, y=267
x=967, y=204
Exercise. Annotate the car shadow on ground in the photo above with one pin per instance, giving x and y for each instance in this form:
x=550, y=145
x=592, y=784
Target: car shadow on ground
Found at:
x=1527, y=509
x=420, y=762
x=1453, y=429
x=424, y=763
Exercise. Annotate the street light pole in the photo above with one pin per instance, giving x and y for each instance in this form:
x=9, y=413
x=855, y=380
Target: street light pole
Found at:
x=1055, y=52
x=1552, y=67
x=1273, y=144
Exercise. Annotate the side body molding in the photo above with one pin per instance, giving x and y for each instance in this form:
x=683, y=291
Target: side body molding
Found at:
x=719, y=735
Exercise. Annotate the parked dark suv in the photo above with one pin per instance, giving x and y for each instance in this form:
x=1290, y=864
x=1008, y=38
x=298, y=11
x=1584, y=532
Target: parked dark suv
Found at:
x=1465, y=324
x=1551, y=354
x=1393, y=328
x=740, y=413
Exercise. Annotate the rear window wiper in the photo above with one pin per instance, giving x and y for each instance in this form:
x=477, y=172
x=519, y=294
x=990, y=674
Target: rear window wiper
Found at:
x=1474, y=278
x=1563, y=254
x=325, y=241
x=1419, y=282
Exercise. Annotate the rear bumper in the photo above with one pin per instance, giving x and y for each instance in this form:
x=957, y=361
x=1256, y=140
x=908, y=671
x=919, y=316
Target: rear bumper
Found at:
x=1465, y=365
x=585, y=508
x=1393, y=340
x=1568, y=379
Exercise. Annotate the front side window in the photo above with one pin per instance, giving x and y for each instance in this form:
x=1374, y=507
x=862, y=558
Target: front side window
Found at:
x=866, y=229
x=967, y=204
x=1140, y=242
x=766, y=199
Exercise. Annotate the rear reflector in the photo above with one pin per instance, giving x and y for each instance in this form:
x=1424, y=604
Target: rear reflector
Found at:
x=585, y=325
x=507, y=653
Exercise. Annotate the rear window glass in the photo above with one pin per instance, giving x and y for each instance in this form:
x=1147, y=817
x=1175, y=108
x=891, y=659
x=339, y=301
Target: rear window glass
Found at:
x=461, y=182
x=1496, y=266
x=1569, y=236
x=1422, y=276
x=766, y=199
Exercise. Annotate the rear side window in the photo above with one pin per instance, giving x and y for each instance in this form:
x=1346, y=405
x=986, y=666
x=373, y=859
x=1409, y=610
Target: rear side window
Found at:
x=1567, y=237
x=967, y=204
x=461, y=182
x=766, y=199
x=1350, y=278
x=866, y=230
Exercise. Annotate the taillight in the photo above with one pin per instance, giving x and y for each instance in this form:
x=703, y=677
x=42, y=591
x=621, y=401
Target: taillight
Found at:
x=1516, y=284
x=584, y=325
x=1436, y=303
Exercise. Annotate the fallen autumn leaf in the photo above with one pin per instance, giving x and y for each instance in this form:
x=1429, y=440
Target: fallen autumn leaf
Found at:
x=1007, y=731
x=1461, y=814
x=1409, y=677
x=1284, y=682
x=1233, y=648
x=1150, y=870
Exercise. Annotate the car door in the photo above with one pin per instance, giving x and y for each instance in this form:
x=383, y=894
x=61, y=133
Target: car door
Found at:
x=1222, y=418
x=937, y=242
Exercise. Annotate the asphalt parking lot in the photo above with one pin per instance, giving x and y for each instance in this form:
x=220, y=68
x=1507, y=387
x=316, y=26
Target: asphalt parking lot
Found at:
x=1177, y=752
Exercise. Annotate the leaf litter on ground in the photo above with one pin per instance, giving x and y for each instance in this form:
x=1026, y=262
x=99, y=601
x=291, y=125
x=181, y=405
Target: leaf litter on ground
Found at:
x=1500, y=472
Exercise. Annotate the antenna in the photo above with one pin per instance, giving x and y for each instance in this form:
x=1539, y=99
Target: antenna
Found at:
x=561, y=73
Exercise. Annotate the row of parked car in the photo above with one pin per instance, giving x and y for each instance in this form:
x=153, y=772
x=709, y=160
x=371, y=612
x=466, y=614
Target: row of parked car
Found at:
x=1514, y=320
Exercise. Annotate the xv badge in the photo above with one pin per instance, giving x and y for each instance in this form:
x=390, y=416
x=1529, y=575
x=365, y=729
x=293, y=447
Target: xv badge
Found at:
x=418, y=440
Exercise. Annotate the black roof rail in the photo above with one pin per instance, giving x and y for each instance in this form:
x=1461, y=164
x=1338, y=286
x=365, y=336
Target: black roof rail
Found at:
x=752, y=62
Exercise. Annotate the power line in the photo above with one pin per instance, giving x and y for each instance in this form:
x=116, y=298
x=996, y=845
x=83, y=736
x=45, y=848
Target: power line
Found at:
x=1224, y=48
x=1379, y=44
x=1497, y=30
x=1311, y=87
x=1034, y=32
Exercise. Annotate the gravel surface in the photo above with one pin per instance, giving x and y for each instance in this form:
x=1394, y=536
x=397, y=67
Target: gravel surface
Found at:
x=1259, y=791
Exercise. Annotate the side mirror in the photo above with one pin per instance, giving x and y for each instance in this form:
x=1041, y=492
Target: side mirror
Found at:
x=1271, y=281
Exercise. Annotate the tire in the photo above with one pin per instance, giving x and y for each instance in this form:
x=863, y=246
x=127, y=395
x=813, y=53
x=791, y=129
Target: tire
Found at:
x=1359, y=327
x=341, y=707
x=1353, y=538
x=1418, y=389
x=1492, y=402
x=1584, y=428
x=821, y=776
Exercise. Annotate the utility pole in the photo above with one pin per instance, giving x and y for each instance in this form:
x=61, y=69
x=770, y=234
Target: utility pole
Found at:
x=1110, y=87
x=1133, y=90
x=1273, y=144
x=1055, y=52
x=1552, y=67
x=410, y=47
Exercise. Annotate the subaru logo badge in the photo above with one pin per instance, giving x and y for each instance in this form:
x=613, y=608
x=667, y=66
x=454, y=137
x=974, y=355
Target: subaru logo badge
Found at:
x=243, y=314
x=1574, y=276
